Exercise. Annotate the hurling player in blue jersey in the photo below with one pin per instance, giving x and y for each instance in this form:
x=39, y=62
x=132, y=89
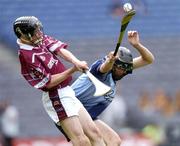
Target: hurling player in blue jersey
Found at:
x=109, y=70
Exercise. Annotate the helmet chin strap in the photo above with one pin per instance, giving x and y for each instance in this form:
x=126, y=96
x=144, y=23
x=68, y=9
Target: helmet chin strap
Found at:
x=25, y=41
x=25, y=38
x=38, y=42
x=28, y=39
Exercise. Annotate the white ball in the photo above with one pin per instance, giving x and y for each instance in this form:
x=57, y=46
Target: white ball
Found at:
x=127, y=7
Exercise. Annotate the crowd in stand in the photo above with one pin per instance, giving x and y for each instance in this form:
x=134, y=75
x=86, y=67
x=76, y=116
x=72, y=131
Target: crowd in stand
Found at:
x=164, y=111
x=162, y=103
x=156, y=115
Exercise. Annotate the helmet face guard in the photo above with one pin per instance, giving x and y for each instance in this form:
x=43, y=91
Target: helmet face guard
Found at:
x=124, y=62
x=28, y=26
x=38, y=34
x=123, y=65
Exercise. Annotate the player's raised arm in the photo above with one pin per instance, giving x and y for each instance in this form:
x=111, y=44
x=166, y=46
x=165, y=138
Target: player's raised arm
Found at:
x=108, y=63
x=146, y=57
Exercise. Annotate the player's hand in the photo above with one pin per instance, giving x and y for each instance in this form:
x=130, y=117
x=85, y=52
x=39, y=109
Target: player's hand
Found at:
x=74, y=68
x=111, y=57
x=133, y=38
x=81, y=65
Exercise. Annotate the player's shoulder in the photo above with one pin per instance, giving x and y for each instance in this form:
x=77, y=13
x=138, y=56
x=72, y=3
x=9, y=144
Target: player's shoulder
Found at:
x=49, y=38
x=26, y=55
x=23, y=52
x=98, y=62
x=27, y=51
x=95, y=67
x=49, y=41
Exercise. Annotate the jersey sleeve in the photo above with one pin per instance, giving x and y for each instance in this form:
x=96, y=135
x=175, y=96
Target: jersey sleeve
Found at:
x=95, y=69
x=54, y=45
x=35, y=74
x=39, y=78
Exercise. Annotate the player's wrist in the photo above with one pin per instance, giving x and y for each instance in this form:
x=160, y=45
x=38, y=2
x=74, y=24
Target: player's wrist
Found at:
x=136, y=45
x=109, y=61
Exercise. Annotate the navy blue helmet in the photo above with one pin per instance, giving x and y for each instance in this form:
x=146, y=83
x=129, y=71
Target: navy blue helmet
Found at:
x=26, y=25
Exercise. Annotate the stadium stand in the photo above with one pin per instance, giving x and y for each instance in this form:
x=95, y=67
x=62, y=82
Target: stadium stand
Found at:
x=89, y=28
x=67, y=19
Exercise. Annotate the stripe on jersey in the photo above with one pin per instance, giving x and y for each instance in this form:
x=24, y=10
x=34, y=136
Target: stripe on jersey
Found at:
x=43, y=82
x=57, y=105
x=55, y=46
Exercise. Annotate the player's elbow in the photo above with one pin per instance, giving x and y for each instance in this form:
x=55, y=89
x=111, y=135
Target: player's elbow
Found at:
x=50, y=85
x=151, y=59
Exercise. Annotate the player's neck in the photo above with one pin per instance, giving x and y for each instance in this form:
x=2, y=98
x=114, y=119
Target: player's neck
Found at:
x=26, y=42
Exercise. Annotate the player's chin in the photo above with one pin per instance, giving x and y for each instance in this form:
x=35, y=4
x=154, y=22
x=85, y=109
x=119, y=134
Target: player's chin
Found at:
x=38, y=41
x=117, y=77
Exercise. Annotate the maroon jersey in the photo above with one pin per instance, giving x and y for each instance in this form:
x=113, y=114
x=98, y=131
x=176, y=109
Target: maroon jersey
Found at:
x=39, y=63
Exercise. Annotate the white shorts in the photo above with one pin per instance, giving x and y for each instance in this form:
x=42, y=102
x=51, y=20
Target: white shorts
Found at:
x=68, y=104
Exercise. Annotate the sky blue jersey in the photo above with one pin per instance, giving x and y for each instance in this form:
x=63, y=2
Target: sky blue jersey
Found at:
x=84, y=90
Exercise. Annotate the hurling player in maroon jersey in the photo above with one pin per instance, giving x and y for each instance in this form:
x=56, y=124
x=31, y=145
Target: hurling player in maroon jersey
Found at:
x=43, y=70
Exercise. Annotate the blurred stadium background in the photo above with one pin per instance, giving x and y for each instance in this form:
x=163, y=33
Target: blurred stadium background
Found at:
x=91, y=29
